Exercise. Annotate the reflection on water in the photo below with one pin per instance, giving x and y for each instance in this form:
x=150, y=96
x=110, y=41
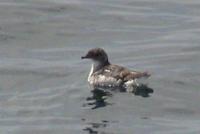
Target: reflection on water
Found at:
x=143, y=90
x=99, y=96
x=98, y=128
x=99, y=100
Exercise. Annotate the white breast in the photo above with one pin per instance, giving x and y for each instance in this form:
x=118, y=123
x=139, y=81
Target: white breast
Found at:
x=90, y=74
x=102, y=80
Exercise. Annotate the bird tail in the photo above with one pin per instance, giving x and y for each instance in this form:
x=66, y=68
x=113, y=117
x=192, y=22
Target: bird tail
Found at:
x=141, y=74
x=146, y=74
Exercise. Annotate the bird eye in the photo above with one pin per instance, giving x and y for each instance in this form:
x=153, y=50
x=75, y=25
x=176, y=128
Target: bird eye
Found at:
x=97, y=54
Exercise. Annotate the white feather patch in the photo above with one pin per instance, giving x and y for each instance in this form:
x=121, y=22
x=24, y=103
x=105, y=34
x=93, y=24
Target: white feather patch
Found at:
x=104, y=81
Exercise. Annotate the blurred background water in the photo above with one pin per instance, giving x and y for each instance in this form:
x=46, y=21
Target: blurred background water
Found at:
x=43, y=81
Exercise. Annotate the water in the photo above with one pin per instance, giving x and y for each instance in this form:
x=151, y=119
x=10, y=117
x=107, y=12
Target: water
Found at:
x=43, y=80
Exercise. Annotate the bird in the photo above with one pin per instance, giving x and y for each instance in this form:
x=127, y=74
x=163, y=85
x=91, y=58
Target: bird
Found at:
x=104, y=75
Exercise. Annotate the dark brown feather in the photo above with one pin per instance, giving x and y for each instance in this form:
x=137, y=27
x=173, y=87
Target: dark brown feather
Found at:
x=120, y=72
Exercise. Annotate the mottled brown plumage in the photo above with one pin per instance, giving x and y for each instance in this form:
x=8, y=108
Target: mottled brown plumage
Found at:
x=120, y=72
x=105, y=74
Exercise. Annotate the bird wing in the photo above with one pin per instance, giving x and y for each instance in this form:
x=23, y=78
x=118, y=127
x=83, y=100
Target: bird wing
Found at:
x=122, y=73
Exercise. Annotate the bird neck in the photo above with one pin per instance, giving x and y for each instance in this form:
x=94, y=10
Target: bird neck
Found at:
x=97, y=65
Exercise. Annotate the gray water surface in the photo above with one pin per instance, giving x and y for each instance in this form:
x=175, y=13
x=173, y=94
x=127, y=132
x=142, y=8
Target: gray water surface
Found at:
x=43, y=81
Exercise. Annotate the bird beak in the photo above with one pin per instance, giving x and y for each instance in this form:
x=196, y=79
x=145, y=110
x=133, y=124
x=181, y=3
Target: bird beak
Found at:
x=83, y=57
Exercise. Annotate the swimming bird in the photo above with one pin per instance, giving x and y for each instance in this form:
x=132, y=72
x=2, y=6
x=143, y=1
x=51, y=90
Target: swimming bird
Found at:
x=104, y=75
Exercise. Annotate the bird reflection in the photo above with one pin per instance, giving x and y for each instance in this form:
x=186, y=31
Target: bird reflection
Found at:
x=99, y=96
